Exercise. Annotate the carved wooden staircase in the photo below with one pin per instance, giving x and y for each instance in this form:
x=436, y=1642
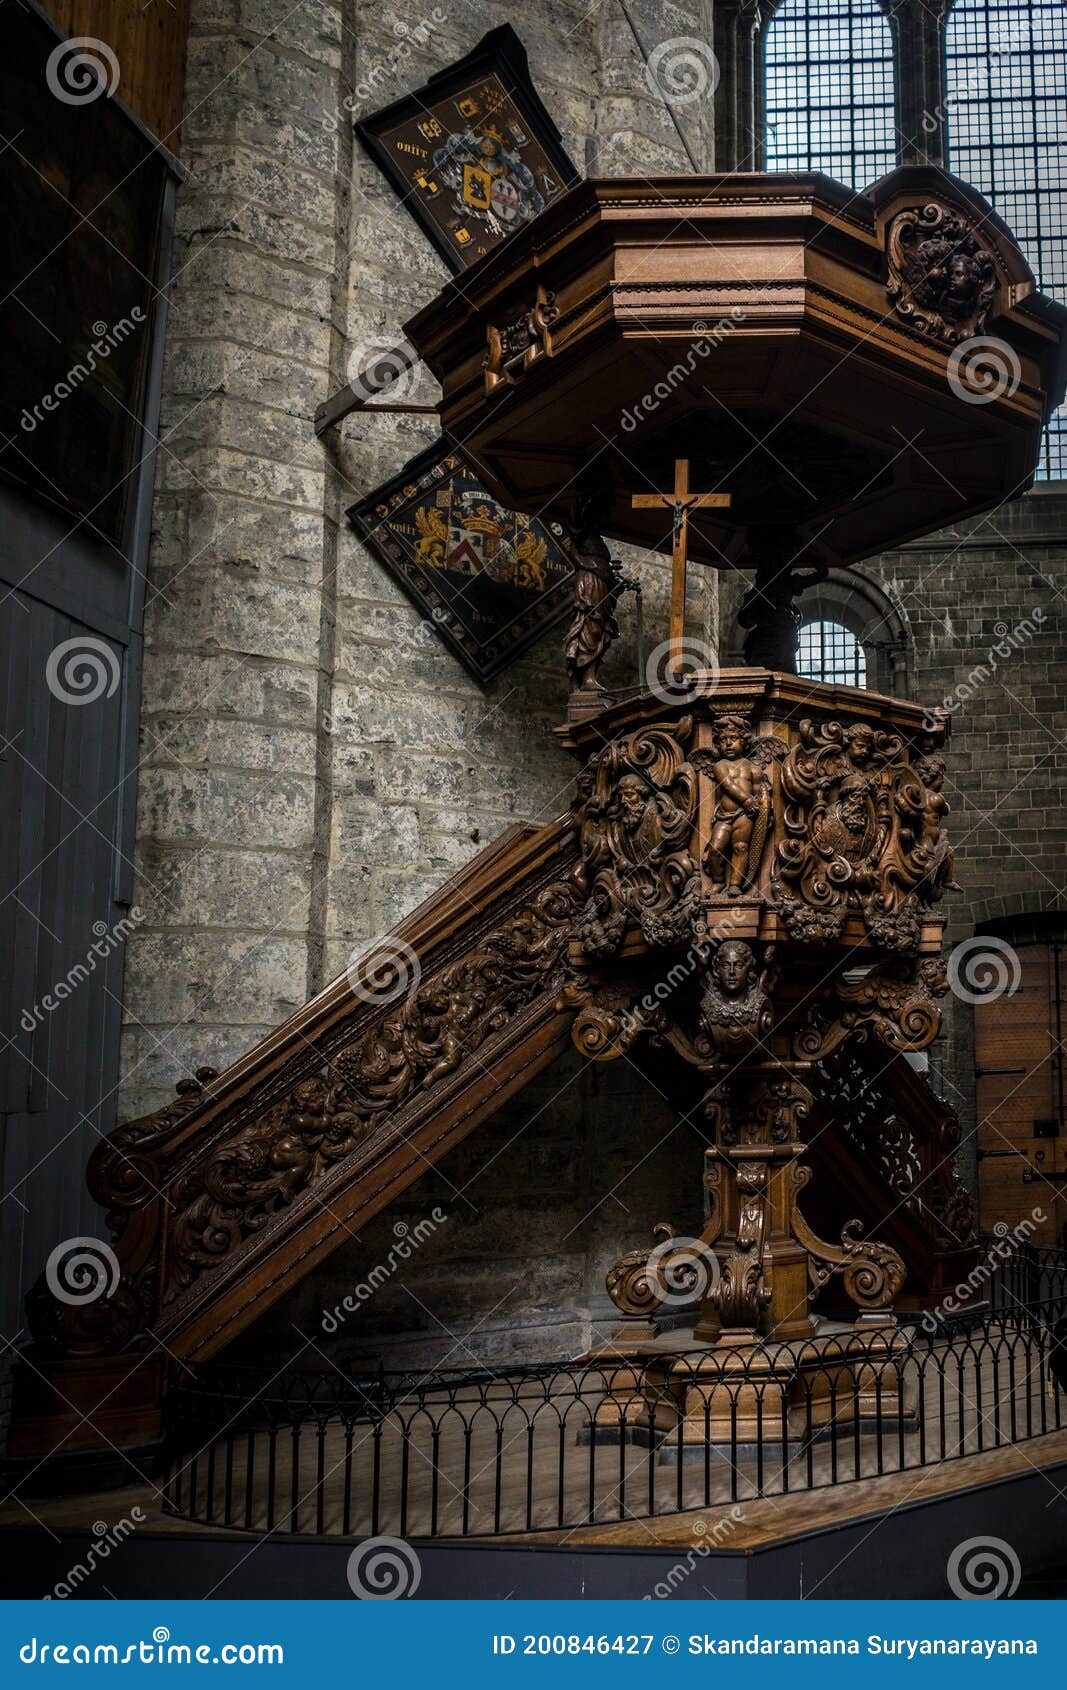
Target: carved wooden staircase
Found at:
x=221, y=1201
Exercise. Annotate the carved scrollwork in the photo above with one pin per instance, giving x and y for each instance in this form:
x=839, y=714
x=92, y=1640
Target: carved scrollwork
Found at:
x=942, y=278
x=607, y=1023
x=248, y=1179
x=871, y=1273
x=255, y=1170
x=124, y=1170
x=635, y=817
x=894, y=1000
x=514, y=347
x=862, y=835
x=641, y=1282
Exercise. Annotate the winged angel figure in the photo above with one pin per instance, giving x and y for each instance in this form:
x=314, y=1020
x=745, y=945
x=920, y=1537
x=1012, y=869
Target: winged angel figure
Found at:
x=740, y=821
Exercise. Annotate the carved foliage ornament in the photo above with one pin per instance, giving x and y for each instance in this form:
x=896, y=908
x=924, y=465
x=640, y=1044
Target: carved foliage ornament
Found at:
x=862, y=836
x=942, y=279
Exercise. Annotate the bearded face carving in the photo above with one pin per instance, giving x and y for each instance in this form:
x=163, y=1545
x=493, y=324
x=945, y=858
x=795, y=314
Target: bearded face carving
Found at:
x=941, y=279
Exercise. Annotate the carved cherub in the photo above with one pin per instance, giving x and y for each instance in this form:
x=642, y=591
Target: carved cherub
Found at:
x=735, y=1006
x=741, y=815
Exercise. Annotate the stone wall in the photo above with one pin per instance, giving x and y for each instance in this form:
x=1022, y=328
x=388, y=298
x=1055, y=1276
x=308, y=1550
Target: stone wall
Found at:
x=313, y=765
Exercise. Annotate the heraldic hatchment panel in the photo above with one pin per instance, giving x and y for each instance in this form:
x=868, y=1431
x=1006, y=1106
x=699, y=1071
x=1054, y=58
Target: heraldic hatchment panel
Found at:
x=474, y=154
x=488, y=579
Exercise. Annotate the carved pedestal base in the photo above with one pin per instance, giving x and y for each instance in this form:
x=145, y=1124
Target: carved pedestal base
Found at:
x=733, y=1401
x=641, y=1402
x=770, y=1259
x=757, y=1262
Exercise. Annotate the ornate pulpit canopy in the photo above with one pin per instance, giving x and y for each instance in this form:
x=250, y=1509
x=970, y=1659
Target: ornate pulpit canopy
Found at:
x=855, y=370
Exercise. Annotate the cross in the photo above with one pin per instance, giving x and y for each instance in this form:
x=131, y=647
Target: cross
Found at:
x=680, y=503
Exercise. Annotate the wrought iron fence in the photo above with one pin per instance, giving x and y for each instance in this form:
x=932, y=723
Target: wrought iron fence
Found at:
x=557, y=1446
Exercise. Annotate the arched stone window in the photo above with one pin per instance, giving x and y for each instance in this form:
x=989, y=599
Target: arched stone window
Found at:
x=855, y=605
x=854, y=634
x=1006, y=115
x=829, y=89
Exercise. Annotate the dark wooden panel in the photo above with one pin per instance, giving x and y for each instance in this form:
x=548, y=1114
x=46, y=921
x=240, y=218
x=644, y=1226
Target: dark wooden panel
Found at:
x=149, y=43
x=1021, y=1130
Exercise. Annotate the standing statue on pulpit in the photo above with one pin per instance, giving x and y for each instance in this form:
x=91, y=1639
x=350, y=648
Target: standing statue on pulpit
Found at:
x=597, y=580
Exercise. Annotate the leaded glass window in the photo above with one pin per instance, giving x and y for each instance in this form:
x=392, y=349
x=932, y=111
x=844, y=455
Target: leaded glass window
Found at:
x=831, y=652
x=829, y=90
x=1006, y=67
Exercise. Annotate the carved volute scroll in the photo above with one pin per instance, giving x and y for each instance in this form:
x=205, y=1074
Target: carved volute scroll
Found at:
x=896, y=1001
x=942, y=274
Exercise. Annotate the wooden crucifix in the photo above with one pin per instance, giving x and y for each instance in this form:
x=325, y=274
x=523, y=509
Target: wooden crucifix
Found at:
x=680, y=503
